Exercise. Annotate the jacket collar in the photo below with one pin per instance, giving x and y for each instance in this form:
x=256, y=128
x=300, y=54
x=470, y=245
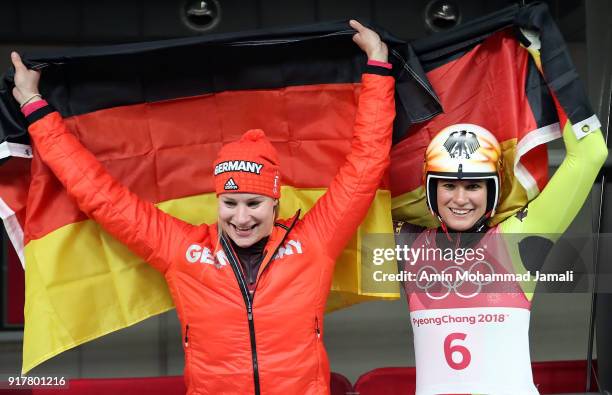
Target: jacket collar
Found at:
x=279, y=233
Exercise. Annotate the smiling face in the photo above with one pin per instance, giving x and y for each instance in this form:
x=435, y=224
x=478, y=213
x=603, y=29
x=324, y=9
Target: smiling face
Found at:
x=461, y=202
x=245, y=217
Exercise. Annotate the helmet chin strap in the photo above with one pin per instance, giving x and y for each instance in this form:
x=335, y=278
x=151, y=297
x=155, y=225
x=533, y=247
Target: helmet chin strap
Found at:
x=457, y=241
x=479, y=227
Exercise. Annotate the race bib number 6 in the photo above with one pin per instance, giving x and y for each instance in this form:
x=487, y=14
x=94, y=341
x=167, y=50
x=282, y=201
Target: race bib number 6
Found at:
x=458, y=351
x=458, y=357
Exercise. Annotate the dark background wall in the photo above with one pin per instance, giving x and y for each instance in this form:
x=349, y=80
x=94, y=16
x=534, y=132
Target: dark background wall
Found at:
x=39, y=22
x=599, y=51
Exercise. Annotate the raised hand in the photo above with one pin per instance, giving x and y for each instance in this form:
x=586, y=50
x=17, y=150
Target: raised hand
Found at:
x=369, y=41
x=26, y=81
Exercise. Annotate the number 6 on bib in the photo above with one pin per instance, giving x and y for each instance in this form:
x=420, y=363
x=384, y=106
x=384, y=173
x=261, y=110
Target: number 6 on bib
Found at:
x=450, y=350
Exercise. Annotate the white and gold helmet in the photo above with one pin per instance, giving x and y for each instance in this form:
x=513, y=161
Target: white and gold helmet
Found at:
x=463, y=152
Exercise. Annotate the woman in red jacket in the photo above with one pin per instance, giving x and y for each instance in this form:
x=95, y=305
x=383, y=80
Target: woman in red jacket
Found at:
x=249, y=291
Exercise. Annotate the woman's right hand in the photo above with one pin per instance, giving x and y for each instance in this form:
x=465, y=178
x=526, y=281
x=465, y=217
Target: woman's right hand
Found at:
x=26, y=81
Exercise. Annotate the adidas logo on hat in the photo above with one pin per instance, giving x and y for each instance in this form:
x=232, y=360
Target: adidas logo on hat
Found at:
x=248, y=165
x=230, y=185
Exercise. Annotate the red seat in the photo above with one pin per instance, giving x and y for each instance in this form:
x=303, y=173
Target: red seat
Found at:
x=387, y=381
x=557, y=377
x=167, y=385
x=340, y=385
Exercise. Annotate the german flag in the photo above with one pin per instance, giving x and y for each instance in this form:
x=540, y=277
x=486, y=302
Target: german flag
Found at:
x=511, y=73
x=156, y=114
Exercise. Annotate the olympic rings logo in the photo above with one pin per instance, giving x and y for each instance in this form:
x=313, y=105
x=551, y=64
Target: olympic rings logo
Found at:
x=435, y=279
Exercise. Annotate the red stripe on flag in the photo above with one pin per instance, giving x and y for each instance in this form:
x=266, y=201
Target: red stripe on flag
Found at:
x=14, y=185
x=165, y=150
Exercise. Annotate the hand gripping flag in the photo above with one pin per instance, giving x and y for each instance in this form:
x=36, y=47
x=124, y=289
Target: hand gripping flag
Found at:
x=509, y=72
x=155, y=114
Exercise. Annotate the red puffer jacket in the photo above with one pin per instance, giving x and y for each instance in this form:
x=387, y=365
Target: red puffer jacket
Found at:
x=235, y=343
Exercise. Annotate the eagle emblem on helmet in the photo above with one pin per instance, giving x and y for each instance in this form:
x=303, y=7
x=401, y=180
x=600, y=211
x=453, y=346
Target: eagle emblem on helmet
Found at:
x=461, y=144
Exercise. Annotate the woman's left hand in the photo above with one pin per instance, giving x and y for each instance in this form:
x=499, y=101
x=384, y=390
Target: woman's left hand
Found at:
x=369, y=41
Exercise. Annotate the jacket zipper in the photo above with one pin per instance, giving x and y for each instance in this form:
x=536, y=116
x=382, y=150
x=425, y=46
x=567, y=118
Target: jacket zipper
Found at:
x=248, y=299
x=317, y=330
x=188, y=374
x=244, y=290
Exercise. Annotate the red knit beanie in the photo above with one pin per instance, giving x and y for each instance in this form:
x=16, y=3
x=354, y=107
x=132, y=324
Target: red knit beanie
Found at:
x=249, y=165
